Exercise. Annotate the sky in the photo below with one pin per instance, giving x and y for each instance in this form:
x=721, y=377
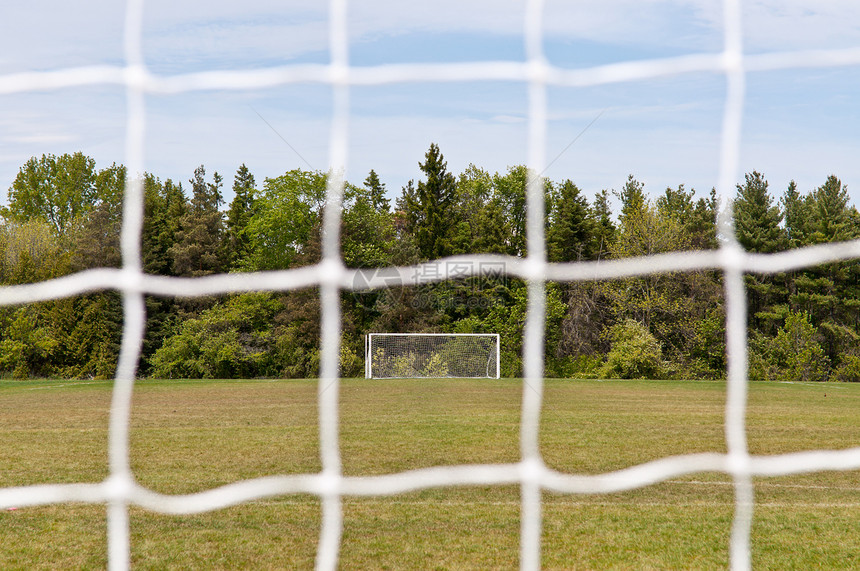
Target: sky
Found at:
x=799, y=124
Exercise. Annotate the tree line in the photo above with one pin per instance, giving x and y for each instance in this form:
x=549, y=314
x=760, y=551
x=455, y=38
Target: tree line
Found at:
x=63, y=215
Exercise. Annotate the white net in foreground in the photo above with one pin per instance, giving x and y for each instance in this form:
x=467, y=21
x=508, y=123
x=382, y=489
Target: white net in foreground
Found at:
x=431, y=355
x=119, y=491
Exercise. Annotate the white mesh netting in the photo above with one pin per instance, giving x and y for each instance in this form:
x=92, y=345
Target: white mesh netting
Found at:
x=432, y=355
x=119, y=490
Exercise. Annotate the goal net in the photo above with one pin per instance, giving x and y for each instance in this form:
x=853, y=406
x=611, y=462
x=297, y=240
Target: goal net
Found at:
x=120, y=490
x=431, y=355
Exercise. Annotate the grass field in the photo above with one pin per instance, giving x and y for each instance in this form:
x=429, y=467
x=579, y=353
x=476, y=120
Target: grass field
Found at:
x=190, y=436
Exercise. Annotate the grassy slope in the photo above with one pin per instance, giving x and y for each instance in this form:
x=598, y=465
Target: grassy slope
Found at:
x=190, y=436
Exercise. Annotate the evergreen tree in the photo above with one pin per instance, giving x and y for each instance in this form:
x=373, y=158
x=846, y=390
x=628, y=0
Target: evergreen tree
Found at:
x=570, y=236
x=757, y=228
x=797, y=216
x=697, y=217
x=377, y=192
x=165, y=206
x=241, y=209
x=604, y=231
x=96, y=240
x=757, y=219
x=429, y=208
x=829, y=293
x=198, y=250
x=831, y=219
x=632, y=197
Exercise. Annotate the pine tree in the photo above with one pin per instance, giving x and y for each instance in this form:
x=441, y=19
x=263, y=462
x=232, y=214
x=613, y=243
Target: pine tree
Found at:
x=570, y=235
x=604, y=231
x=757, y=219
x=757, y=228
x=829, y=293
x=429, y=208
x=239, y=214
x=198, y=251
x=830, y=215
x=632, y=197
x=797, y=216
x=377, y=192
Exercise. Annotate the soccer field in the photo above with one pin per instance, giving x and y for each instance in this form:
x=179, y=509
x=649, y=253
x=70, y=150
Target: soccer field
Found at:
x=191, y=436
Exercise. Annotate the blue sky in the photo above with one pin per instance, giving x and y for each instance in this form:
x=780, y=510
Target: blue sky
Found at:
x=800, y=124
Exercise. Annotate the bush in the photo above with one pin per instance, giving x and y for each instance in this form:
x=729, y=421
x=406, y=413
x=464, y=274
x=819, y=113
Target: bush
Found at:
x=848, y=371
x=794, y=355
x=231, y=340
x=635, y=352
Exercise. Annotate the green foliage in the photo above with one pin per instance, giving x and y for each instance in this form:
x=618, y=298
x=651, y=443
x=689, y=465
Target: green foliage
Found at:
x=165, y=206
x=570, y=235
x=632, y=197
x=508, y=320
x=232, y=339
x=708, y=348
x=435, y=366
x=286, y=211
x=91, y=345
x=481, y=226
x=376, y=190
x=793, y=355
x=697, y=218
x=96, y=239
x=241, y=209
x=604, y=229
x=797, y=214
x=64, y=215
x=198, y=250
x=848, y=371
x=757, y=219
x=428, y=207
x=57, y=190
x=27, y=347
x=30, y=253
x=646, y=232
x=368, y=233
x=635, y=353
x=831, y=215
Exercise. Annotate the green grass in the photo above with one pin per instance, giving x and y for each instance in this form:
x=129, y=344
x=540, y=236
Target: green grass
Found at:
x=189, y=436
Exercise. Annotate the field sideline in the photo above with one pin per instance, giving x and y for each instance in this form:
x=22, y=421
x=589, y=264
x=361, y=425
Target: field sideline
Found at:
x=190, y=436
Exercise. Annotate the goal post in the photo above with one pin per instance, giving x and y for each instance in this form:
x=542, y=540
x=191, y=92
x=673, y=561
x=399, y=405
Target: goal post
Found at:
x=432, y=355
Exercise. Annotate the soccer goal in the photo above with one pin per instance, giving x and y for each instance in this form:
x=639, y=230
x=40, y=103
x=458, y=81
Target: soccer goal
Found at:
x=431, y=355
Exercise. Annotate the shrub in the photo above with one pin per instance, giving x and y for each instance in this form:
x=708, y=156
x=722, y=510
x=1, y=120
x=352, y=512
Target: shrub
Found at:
x=794, y=355
x=848, y=371
x=635, y=352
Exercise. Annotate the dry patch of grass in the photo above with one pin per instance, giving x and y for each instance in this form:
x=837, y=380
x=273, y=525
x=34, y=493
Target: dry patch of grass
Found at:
x=53, y=432
x=191, y=436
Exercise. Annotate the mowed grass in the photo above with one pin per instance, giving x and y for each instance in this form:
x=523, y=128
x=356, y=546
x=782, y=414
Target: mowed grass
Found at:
x=190, y=436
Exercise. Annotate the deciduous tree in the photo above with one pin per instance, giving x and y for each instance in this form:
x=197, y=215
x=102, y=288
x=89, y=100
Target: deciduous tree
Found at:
x=54, y=189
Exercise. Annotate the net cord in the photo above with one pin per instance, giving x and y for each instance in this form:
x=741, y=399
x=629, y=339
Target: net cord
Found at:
x=119, y=490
